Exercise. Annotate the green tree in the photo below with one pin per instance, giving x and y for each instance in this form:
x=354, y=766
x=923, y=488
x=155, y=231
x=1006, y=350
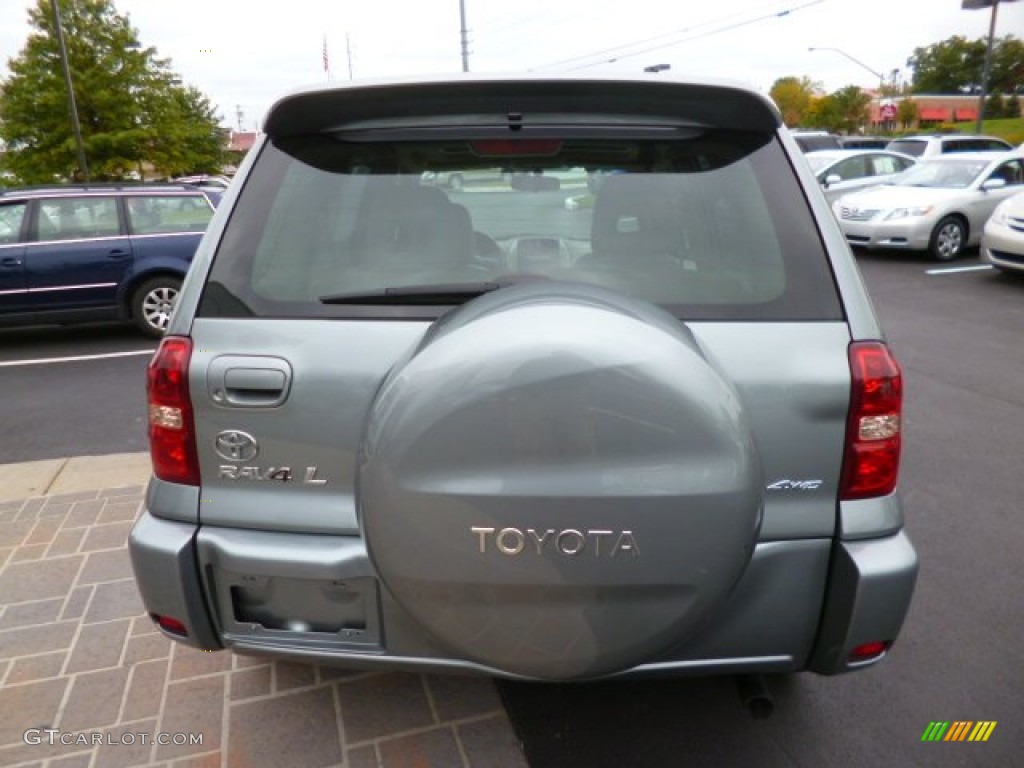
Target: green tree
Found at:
x=956, y=65
x=994, y=106
x=794, y=97
x=132, y=107
x=845, y=110
x=906, y=112
x=1012, y=108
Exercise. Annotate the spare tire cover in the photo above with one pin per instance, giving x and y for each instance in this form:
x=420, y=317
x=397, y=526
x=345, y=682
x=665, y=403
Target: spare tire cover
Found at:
x=556, y=483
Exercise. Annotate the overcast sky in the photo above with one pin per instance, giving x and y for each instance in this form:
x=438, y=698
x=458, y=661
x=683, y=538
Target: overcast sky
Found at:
x=243, y=55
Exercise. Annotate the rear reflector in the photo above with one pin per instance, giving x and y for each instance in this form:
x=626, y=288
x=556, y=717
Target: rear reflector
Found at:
x=169, y=624
x=172, y=438
x=866, y=651
x=872, y=456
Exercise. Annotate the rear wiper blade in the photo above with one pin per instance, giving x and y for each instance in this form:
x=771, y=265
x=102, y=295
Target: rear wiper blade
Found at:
x=440, y=293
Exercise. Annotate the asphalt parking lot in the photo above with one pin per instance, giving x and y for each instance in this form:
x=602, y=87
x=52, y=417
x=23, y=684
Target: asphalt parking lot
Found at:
x=75, y=652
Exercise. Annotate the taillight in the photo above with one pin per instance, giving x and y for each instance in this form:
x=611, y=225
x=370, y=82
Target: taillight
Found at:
x=868, y=651
x=172, y=433
x=872, y=458
x=170, y=624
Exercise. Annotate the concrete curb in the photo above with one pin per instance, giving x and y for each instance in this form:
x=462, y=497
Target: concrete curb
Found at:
x=71, y=475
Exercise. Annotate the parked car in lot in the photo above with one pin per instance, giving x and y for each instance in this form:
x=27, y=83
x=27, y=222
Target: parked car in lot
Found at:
x=456, y=180
x=809, y=141
x=864, y=142
x=1002, y=241
x=77, y=253
x=481, y=433
x=841, y=171
x=939, y=205
x=205, y=180
x=947, y=143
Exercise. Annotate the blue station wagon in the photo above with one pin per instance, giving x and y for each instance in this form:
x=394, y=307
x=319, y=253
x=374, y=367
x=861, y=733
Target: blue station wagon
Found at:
x=88, y=253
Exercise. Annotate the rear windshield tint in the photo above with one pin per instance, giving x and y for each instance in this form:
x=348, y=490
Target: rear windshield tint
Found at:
x=908, y=147
x=710, y=227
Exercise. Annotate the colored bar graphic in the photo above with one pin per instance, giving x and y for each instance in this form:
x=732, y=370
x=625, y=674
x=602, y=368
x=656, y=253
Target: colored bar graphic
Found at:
x=982, y=730
x=958, y=730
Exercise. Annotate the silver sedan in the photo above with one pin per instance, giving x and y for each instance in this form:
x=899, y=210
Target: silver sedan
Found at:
x=1002, y=243
x=939, y=205
x=841, y=171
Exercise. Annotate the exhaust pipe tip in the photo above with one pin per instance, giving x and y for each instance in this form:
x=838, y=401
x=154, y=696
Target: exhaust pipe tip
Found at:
x=754, y=696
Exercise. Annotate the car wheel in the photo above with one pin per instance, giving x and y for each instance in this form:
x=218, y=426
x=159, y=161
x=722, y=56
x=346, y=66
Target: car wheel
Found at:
x=455, y=182
x=152, y=304
x=948, y=239
x=586, y=505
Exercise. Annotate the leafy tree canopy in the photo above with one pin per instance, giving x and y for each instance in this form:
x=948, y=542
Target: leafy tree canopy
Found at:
x=844, y=111
x=132, y=107
x=794, y=97
x=956, y=65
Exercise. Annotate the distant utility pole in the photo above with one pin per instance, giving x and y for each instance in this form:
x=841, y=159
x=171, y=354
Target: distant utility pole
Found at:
x=464, y=36
x=971, y=5
x=76, y=127
x=238, y=115
x=348, y=53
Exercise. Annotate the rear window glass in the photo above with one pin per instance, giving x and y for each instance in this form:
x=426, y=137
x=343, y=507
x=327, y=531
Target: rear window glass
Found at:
x=710, y=227
x=164, y=214
x=76, y=218
x=908, y=147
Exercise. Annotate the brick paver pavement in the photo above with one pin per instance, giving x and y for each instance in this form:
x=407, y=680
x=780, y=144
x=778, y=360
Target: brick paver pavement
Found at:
x=87, y=681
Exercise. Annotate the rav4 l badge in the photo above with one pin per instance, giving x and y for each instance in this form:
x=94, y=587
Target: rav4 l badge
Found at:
x=270, y=474
x=237, y=446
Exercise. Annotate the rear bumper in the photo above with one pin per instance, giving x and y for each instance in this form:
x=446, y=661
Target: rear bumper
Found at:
x=870, y=586
x=801, y=604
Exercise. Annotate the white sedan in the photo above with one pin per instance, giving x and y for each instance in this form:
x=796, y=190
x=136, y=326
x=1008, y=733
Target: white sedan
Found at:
x=1002, y=242
x=939, y=205
x=842, y=171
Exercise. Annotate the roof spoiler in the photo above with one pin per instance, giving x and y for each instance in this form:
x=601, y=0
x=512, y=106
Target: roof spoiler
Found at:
x=525, y=104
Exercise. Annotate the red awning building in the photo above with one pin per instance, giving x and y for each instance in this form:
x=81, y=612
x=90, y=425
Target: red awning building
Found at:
x=932, y=109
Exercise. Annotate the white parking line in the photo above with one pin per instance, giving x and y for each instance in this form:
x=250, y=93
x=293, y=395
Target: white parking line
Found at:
x=952, y=270
x=75, y=359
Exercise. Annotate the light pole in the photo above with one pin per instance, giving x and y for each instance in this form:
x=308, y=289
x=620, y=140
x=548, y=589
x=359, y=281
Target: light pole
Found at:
x=464, y=35
x=859, y=63
x=971, y=5
x=76, y=127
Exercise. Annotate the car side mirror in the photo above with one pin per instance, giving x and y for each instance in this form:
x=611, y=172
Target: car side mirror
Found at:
x=832, y=178
x=993, y=184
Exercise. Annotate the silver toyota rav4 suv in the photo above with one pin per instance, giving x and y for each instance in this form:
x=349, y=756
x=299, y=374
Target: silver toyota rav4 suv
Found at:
x=526, y=429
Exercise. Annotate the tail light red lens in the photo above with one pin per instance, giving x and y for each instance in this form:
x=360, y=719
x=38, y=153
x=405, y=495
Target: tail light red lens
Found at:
x=172, y=434
x=872, y=458
x=170, y=624
x=866, y=651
